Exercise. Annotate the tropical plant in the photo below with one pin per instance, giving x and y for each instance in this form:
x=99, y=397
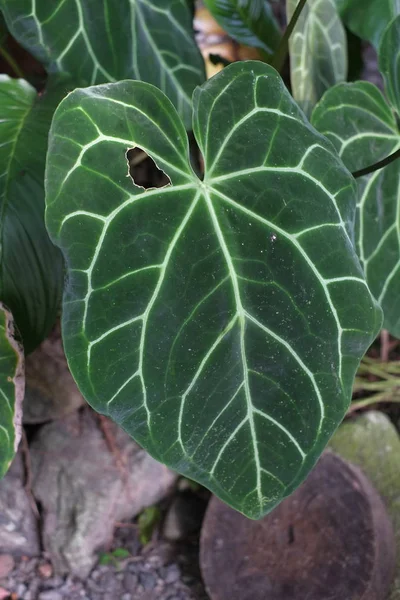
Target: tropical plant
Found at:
x=220, y=319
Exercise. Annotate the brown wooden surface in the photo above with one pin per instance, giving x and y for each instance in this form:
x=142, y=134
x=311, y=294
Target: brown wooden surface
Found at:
x=330, y=540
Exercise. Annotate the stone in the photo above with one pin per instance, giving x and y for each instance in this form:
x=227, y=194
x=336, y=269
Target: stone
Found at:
x=6, y=565
x=45, y=570
x=19, y=533
x=184, y=516
x=172, y=574
x=50, y=391
x=84, y=488
x=331, y=538
x=50, y=595
x=372, y=443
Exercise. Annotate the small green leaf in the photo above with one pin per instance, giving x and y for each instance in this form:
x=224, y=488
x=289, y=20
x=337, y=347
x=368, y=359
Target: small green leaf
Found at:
x=98, y=41
x=147, y=522
x=12, y=388
x=250, y=22
x=318, y=51
x=368, y=18
x=120, y=553
x=105, y=558
x=363, y=128
x=31, y=268
x=220, y=322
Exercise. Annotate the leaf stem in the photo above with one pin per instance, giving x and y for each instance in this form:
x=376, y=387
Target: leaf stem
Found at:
x=279, y=57
x=9, y=59
x=354, y=406
x=379, y=165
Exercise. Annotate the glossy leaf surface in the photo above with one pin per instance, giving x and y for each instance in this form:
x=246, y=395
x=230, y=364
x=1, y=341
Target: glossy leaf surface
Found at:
x=363, y=128
x=250, y=22
x=220, y=322
x=97, y=41
x=12, y=386
x=368, y=18
x=318, y=51
x=31, y=267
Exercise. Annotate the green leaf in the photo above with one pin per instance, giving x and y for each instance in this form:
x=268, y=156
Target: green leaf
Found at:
x=250, y=22
x=389, y=66
x=368, y=18
x=31, y=268
x=363, y=128
x=12, y=387
x=318, y=51
x=147, y=522
x=219, y=322
x=97, y=41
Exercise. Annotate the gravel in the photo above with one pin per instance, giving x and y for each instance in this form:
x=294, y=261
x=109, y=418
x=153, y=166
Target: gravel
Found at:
x=165, y=572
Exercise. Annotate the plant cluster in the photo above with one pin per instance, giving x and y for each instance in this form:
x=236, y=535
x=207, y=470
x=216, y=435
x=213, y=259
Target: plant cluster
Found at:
x=219, y=319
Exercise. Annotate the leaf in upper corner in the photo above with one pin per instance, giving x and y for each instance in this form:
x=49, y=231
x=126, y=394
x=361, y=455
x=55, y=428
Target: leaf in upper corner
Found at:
x=31, y=267
x=250, y=22
x=389, y=65
x=318, y=51
x=368, y=18
x=219, y=322
x=98, y=41
x=363, y=128
x=12, y=385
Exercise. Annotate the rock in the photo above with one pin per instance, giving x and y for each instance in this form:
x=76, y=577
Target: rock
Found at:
x=45, y=570
x=331, y=539
x=6, y=565
x=184, y=516
x=50, y=393
x=50, y=595
x=18, y=526
x=84, y=488
x=372, y=443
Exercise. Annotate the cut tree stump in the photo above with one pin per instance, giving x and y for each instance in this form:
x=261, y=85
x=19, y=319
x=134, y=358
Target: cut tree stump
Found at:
x=330, y=540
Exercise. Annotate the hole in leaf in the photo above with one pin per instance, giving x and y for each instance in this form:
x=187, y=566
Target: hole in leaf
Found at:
x=144, y=171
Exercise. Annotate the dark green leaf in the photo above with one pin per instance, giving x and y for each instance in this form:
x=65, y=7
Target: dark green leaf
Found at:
x=31, y=268
x=363, y=128
x=389, y=64
x=97, y=41
x=220, y=322
x=368, y=18
x=250, y=22
x=12, y=386
x=318, y=51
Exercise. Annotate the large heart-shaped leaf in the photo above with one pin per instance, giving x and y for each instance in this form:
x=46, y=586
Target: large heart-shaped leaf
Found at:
x=96, y=41
x=12, y=387
x=368, y=18
x=318, y=51
x=220, y=322
x=363, y=128
x=31, y=267
x=250, y=22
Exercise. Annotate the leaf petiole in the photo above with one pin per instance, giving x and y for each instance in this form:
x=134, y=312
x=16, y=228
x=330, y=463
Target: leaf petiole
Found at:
x=9, y=59
x=379, y=165
x=280, y=55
